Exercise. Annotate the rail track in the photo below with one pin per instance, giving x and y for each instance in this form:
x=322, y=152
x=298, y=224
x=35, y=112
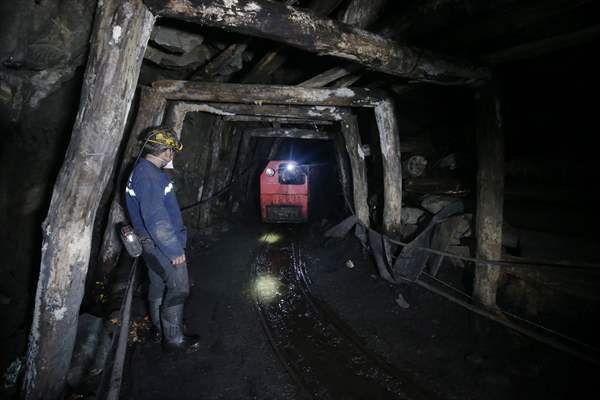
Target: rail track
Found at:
x=323, y=355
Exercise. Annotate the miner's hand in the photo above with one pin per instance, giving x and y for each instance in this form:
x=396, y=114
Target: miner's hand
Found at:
x=178, y=260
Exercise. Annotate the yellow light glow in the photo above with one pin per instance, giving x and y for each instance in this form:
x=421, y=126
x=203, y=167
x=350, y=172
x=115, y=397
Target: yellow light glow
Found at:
x=270, y=238
x=266, y=288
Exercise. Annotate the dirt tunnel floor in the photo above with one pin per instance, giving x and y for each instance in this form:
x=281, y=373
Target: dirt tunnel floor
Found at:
x=364, y=345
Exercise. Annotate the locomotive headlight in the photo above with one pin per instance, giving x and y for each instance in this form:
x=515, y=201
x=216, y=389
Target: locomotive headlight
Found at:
x=270, y=171
x=290, y=167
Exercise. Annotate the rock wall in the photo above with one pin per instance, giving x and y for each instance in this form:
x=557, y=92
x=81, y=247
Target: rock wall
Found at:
x=43, y=47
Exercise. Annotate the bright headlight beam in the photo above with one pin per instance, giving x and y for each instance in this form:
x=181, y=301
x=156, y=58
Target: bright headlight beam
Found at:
x=270, y=238
x=266, y=288
x=290, y=167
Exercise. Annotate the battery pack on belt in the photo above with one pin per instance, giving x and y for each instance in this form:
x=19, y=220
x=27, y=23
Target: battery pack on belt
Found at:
x=131, y=241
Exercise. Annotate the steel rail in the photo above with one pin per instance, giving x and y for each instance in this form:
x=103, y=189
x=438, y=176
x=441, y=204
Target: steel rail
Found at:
x=322, y=333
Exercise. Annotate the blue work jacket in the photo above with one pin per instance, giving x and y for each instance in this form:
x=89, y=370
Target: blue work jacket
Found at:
x=153, y=208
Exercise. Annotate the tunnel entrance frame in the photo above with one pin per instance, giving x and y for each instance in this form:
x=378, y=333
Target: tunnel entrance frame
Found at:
x=323, y=104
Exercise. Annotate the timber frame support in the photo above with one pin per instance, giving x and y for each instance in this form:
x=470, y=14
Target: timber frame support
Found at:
x=490, y=195
x=229, y=99
x=297, y=28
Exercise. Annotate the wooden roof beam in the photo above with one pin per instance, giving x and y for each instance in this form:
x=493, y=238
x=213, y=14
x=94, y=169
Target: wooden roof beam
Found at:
x=229, y=111
x=279, y=120
x=267, y=94
x=305, y=31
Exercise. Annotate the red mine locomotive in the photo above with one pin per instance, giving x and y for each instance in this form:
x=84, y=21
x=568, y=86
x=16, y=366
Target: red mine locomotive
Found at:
x=283, y=192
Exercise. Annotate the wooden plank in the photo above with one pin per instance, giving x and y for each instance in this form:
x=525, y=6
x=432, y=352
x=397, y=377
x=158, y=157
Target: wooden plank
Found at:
x=328, y=76
x=216, y=65
x=272, y=60
x=264, y=68
x=359, y=170
x=317, y=113
x=275, y=21
x=346, y=81
x=358, y=13
x=280, y=120
x=490, y=195
x=150, y=113
x=292, y=133
x=121, y=31
x=267, y=94
x=389, y=138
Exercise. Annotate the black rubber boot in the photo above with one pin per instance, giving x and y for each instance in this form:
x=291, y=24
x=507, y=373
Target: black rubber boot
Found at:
x=154, y=310
x=172, y=326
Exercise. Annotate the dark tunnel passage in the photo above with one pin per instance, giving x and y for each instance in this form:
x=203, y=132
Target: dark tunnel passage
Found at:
x=378, y=199
x=239, y=179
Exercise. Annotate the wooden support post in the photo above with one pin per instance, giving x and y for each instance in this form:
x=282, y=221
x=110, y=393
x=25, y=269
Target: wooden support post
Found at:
x=389, y=138
x=490, y=195
x=150, y=113
x=242, y=167
x=292, y=133
x=275, y=21
x=343, y=170
x=121, y=31
x=231, y=143
x=359, y=170
x=210, y=182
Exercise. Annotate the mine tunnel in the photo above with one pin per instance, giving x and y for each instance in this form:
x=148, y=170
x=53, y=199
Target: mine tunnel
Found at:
x=299, y=199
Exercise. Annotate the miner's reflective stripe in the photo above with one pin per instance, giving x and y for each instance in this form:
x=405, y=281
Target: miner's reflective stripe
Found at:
x=130, y=191
x=168, y=188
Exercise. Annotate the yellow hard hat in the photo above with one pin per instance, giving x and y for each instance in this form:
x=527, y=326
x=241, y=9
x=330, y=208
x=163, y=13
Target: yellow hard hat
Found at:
x=165, y=137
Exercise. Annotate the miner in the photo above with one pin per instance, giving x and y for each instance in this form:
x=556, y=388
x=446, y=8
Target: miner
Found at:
x=156, y=218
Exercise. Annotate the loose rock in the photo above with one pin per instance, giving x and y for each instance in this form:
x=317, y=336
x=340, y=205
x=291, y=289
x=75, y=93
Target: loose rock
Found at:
x=434, y=203
x=174, y=40
x=401, y=301
x=411, y=215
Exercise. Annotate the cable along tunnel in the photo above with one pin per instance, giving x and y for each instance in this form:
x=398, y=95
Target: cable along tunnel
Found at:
x=381, y=200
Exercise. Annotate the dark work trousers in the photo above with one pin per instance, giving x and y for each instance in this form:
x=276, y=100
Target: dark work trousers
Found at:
x=167, y=282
